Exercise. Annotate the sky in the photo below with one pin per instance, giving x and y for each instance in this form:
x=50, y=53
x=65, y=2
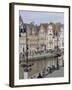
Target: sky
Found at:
x=41, y=17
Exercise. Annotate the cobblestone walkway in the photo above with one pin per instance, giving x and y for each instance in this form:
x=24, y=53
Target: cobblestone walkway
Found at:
x=57, y=73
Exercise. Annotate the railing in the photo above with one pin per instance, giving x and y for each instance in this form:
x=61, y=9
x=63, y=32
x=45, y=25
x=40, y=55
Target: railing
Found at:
x=39, y=56
x=42, y=55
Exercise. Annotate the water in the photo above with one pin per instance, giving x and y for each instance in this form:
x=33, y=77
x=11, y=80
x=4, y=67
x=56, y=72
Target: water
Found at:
x=39, y=66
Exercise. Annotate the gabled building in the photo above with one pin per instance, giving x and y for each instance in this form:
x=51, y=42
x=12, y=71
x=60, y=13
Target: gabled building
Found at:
x=22, y=37
x=42, y=36
x=61, y=37
x=49, y=37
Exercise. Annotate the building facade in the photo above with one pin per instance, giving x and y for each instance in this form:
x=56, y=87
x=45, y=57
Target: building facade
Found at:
x=49, y=37
x=61, y=37
x=42, y=37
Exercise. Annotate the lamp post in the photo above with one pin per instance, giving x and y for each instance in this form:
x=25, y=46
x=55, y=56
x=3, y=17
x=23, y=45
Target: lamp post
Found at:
x=27, y=66
x=25, y=52
x=57, y=53
x=23, y=30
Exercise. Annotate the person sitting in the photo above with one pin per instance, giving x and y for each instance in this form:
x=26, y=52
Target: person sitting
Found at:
x=39, y=76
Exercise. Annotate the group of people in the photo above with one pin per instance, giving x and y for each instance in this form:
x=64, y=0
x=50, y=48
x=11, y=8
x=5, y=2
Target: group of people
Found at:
x=47, y=71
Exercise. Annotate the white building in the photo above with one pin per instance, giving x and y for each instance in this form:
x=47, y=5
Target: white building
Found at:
x=61, y=37
x=42, y=37
x=49, y=37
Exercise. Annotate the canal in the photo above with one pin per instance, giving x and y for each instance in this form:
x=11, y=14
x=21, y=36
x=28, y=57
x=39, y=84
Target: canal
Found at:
x=38, y=65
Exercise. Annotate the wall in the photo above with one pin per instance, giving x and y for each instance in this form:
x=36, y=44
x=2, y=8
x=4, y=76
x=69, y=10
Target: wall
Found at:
x=4, y=44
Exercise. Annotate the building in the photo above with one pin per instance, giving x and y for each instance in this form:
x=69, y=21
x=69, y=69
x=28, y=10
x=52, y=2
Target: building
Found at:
x=61, y=37
x=42, y=37
x=49, y=37
x=32, y=41
x=22, y=37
